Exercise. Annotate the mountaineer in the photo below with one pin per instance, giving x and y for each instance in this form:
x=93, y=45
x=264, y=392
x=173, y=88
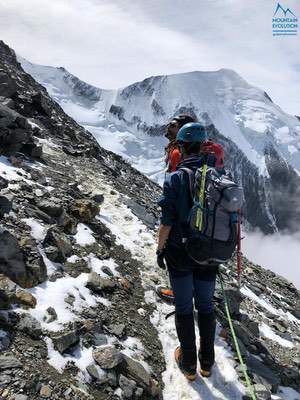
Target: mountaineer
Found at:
x=173, y=158
x=186, y=284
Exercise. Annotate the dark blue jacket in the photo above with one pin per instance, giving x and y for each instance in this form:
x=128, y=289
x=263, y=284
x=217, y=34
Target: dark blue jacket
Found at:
x=176, y=203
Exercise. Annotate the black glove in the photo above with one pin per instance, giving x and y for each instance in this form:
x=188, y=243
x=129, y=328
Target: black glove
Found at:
x=160, y=259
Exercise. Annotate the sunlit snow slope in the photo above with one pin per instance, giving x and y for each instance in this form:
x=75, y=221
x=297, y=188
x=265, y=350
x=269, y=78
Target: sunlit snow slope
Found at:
x=122, y=120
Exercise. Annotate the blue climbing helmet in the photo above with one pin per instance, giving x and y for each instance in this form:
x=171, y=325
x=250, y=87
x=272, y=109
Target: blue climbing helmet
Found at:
x=191, y=133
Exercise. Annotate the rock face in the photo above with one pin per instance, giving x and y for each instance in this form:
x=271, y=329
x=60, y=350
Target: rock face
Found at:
x=13, y=264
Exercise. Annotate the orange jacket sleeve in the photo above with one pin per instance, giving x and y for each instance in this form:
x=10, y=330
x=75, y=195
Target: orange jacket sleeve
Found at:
x=175, y=158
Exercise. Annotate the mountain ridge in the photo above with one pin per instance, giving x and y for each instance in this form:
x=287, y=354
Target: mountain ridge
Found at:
x=131, y=121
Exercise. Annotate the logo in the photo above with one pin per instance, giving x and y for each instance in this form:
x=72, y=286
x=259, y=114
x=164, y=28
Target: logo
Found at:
x=284, y=22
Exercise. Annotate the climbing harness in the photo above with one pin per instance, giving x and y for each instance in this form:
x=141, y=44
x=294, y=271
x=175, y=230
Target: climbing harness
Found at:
x=237, y=347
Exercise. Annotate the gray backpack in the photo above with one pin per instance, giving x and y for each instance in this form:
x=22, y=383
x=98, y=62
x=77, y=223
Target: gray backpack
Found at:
x=212, y=235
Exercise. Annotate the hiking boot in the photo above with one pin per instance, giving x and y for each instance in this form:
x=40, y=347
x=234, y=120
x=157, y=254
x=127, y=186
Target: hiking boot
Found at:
x=205, y=369
x=206, y=354
x=188, y=371
x=186, y=353
x=165, y=294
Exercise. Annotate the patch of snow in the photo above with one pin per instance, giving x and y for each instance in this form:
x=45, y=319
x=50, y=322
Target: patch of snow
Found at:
x=38, y=230
x=150, y=297
x=267, y=332
x=118, y=392
x=283, y=134
x=55, y=359
x=286, y=393
x=81, y=357
x=263, y=303
x=9, y=172
x=141, y=311
x=292, y=149
x=54, y=293
x=84, y=235
x=96, y=265
x=50, y=265
x=33, y=124
x=72, y=259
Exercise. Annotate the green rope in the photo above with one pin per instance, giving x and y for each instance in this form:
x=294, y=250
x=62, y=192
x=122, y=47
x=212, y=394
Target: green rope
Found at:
x=237, y=347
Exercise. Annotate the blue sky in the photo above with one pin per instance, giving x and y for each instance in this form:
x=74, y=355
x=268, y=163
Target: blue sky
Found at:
x=114, y=43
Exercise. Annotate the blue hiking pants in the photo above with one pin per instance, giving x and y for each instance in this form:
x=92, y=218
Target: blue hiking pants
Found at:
x=188, y=286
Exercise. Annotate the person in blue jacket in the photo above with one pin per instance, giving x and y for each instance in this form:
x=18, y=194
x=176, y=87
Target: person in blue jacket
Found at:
x=189, y=282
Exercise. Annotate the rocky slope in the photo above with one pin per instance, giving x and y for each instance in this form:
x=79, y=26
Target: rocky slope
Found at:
x=78, y=314
x=261, y=141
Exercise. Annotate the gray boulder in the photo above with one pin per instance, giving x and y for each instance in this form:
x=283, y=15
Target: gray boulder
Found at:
x=65, y=340
x=3, y=183
x=5, y=206
x=262, y=392
x=9, y=362
x=8, y=86
x=134, y=370
x=296, y=312
x=12, y=261
x=107, y=357
x=58, y=239
x=258, y=368
x=78, y=267
x=51, y=315
x=8, y=287
x=117, y=329
x=50, y=207
x=30, y=326
x=4, y=300
x=234, y=298
x=97, y=283
x=128, y=386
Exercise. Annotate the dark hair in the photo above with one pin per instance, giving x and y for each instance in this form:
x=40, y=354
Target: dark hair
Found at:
x=191, y=148
x=183, y=119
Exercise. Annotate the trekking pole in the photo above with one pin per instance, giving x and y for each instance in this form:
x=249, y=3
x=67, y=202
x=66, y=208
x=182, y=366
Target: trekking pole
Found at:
x=238, y=252
x=249, y=385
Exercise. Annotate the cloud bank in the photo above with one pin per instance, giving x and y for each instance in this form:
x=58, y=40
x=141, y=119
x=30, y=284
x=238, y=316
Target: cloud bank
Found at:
x=278, y=253
x=114, y=43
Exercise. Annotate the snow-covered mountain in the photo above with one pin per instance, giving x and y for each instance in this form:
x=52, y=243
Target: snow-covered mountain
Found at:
x=262, y=142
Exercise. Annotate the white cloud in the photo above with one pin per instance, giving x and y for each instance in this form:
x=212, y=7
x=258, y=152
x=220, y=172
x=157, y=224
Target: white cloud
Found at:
x=114, y=43
x=278, y=252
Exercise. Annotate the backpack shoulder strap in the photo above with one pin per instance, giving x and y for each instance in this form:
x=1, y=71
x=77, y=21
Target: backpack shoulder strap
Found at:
x=191, y=176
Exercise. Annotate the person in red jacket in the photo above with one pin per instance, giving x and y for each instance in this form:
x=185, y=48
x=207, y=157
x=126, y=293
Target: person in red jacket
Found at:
x=173, y=158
